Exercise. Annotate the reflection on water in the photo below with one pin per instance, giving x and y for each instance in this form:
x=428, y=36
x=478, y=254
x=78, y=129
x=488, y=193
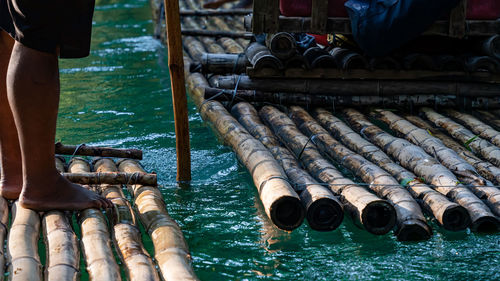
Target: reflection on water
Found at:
x=120, y=96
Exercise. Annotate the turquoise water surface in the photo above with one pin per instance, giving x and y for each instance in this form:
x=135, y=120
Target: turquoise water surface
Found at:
x=120, y=96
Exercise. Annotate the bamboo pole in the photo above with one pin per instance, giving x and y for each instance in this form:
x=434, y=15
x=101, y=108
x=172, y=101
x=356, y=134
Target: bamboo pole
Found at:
x=210, y=44
x=4, y=220
x=476, y=126
x=478, y=145
x=171, y=250
x=126, y=235
x=281, y=202
x=222, y=63
x=85, y=150
x=211, y=13
x=282, y=45
x=448, y=214
x=260, y=57
x=111, y=178
x=22, y=245
x=448, y=158
x=410, y=221
x=96, y=244
x=488, y=117
x=324, y=212
x=429, y=169
x=217, y=33
x=376, y=215
x=61, y=244
x=179, y=100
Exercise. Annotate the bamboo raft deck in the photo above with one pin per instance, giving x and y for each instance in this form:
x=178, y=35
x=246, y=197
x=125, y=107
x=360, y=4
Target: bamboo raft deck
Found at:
x=94, y=235
x=408, y=164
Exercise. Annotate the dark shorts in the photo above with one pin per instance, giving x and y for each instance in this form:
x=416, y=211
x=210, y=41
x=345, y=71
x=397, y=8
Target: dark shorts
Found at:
x=45, y=25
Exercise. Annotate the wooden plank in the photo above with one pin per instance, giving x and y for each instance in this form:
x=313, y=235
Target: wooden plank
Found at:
x=179, y=99
x=457, y=27
x=382, y=74
x=319, y=16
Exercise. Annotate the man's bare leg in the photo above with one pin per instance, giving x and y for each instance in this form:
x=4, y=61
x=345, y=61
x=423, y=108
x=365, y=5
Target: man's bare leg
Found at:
x=33, y=94
x=11, y=178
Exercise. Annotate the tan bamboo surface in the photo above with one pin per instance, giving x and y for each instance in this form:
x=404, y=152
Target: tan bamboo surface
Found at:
x=485, y=168
x=324, y=212
x=125, y=232
x=410, y=221
x=4, y=220
x=428, y=168
x=448, y=214
x=85, y=150
x=22, y=245
x=476, y=126
x=111, y=178
x=95, y=239
x=479, y=146
x=376, y=215
x=447, y=156
x=61, y=244
x=281, y=202
x=488, y=117
x=171, y=250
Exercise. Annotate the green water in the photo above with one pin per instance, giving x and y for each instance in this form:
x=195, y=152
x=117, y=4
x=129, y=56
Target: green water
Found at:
x=120, y=96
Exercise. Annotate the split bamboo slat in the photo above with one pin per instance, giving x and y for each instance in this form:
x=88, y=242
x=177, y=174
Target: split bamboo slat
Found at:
x=447, y=156
x=478, y=145
x=84, y=150
x=428, y=168
x=22, y=245
x=324, y=212
x=171, y=250
x=448, y=214
x=476, y=126
x=4, y=220
x=61, y=243
x=410, y=221
x=485, y=168
x=376, y=215
x=95, y=239
x=126, y=235
x=281, y=202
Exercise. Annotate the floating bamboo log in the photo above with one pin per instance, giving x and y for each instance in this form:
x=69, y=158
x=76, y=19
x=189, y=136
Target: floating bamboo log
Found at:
x=61, y=244
x=84, y=150
x=96, y=244
x=478, y=145
x=324, y=212
x=22, y=245
x=260, y=57
x=4, y=220
x=410, y=221
x=230, y=44
x=126, y=235
x=348, y=59
x=232, y=24
x=281, y=202
x=221, y=63
x=429, y=169
x=488, y=117
x=448, y=214
x=111, y=178
x=282, y=45
x=171, y=250
x=476, y=126
x=376, y=215
x=360, y=88
x=316, y=57
x=194, y=47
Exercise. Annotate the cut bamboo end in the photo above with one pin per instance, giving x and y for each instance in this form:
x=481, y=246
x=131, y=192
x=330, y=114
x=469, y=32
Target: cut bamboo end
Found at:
x=286, y=212
x=413, y=230
x=325, y=214
x=486, y=224
x=22, y=245
x=378, y=217
x=455, y=218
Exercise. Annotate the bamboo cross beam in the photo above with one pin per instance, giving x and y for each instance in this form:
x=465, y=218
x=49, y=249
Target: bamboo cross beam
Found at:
x=84, y=150
x=179, y=99
x=112, y=178
x=217, y=33
x=209, y=13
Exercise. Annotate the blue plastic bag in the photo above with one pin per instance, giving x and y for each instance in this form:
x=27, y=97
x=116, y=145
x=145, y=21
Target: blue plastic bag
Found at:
x=380, y=26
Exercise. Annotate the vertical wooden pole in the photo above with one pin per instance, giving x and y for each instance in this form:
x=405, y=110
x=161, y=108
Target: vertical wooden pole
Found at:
x=176, y=67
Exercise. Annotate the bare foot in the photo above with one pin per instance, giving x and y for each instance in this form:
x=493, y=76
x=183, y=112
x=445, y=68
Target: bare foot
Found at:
x=10, y=189
x=57, y=193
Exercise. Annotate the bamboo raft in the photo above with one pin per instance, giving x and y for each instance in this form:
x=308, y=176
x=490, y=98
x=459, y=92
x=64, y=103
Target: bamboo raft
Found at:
x=298, y=133
x=93, y=234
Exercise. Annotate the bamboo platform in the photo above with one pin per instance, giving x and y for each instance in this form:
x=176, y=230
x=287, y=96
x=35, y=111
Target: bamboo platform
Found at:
x=297, y=133
x=95, y=235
